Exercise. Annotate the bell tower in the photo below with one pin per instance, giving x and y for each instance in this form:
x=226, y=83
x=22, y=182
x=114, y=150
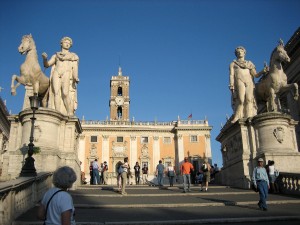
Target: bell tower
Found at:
x=119, y=97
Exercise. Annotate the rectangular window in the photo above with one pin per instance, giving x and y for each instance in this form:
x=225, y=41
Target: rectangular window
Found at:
x=119, y=139
x=167, y=140
x=194, y=138
x=144, y=140
x=93, y=138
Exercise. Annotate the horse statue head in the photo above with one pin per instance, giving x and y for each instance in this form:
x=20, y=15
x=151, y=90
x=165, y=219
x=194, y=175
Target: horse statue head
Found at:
x=279, y=54
x=27, y=44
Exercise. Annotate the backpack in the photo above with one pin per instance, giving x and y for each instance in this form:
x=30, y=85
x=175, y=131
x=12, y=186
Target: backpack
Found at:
x=120, y=169
x=204, y=168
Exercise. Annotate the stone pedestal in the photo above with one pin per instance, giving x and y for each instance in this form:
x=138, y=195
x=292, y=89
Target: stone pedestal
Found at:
x=56, y=135
x=276, y=140
x=269, y=135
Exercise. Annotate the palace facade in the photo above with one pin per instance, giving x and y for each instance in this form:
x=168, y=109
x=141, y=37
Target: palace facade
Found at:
x=292, y=70
x=4, y=131
x=143, y=142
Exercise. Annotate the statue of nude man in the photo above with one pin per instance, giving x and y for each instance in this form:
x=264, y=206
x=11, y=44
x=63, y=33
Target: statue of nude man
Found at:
x=64, y=70
x=241, y=84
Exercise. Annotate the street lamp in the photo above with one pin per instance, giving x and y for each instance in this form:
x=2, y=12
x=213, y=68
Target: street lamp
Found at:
x=28, y=170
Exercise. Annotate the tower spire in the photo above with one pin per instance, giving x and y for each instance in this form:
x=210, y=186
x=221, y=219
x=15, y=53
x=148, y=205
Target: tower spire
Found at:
x=120, y=71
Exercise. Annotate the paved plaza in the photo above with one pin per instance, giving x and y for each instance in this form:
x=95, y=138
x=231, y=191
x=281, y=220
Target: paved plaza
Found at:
x=102, y=204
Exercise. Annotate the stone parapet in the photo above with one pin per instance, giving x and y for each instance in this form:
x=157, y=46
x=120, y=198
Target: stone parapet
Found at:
x=289, y=183
x=56, y=136
x=270, y=136
x=19, y=195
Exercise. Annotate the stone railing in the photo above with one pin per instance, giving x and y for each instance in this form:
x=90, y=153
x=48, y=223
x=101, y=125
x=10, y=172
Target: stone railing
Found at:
x=144, y=123
x=125, y=123
x=289, y=183
x=19, y=195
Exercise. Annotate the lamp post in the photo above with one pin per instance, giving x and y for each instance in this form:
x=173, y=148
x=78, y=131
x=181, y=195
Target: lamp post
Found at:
x=28, y=170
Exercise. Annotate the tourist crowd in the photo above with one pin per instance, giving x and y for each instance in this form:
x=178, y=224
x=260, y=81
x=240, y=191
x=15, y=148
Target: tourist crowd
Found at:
x=126, y=174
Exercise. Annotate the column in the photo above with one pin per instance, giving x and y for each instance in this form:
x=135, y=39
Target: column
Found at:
x=133, y=151
x=1, y=142
x=156, y=152
x=180, y=149
x=207, y=147
x=81, y=152
x=105, y=149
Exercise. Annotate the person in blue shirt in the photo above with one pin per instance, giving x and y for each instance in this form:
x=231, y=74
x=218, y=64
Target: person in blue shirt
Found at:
x=261, y=182
x=160, y=168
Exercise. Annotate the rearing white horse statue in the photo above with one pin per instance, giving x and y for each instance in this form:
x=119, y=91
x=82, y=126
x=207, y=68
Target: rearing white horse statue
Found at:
x=274, y=83
x=30, y=71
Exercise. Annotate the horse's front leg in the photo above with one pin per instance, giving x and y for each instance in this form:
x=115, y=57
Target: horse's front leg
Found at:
x=13, y=86
x=20, y=80
x=271, y=105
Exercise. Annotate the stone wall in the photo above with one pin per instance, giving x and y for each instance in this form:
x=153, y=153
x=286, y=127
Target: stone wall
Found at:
x=19, y=195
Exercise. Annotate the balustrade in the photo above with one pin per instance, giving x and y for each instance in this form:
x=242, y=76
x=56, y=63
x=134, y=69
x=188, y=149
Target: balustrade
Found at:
x=19, y=195
x=289, y=183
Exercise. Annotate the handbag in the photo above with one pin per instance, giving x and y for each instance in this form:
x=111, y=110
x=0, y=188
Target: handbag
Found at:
x=48, y=205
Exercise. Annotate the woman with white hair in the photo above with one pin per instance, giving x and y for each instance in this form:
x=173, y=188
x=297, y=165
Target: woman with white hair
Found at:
x=57, y=207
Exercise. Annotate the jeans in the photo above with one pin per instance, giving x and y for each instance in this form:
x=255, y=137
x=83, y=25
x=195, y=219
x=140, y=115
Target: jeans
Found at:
x=137, y=178
x=96, y=176
x=262, y=187
x=171, y=180
x=160, y=179
x=186, y=181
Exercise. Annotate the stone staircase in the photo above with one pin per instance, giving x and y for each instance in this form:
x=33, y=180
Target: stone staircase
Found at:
x=97, y=205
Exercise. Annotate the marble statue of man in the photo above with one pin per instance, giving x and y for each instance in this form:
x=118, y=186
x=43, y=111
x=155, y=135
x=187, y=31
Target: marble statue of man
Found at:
x=63, y=78
x=241, y=84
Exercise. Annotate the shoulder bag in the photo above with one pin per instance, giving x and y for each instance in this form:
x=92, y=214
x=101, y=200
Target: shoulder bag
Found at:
x=48, y=205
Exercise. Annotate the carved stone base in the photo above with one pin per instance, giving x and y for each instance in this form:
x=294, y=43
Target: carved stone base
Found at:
x=55, y=134
x=270, y=136
x=275, y=133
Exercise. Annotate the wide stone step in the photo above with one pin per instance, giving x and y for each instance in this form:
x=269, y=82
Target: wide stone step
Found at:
x=150, y=205
x=279, y=214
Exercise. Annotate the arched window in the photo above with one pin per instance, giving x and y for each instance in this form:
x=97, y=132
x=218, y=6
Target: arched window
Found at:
x=119, y=111
x=120, y=91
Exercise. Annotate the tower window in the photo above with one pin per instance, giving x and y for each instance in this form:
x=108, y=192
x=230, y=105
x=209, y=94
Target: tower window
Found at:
x=119, y=112
x=120, y=91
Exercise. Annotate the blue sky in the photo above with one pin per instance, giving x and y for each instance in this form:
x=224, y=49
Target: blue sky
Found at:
x=176, y=52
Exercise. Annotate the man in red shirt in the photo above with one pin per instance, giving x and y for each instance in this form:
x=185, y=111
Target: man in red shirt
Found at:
x=185, y=170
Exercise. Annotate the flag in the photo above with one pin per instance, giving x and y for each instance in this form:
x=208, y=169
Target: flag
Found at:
x=190, y=116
